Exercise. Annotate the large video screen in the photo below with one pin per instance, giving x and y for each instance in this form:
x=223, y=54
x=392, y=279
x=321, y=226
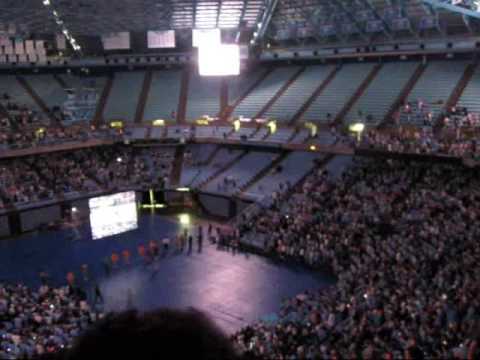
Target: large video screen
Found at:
x=113, y=214
x=219, y=60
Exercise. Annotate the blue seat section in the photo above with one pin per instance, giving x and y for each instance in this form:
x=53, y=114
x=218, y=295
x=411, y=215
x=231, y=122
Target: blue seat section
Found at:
x=433, y=89
x=241, y=172
x=203, y=97
x=195, y=157
x=260, y=134
x=256, y=100
x=281, y=135
x=242, y=132
x=158, y=132
x=12, y=87
x=124, y=96
x=49, y=89
x=324, y=138
x=222, y=158
x=80, y=82
x=178, y=132
x=212, y=131
x=300, y=137
x=470, y=98
x=382, y=92
x=238, y=85
x=85, y=92
x=296, y=165
x=298, y=93
x=137, y=133
x=163, y=96
x=338, y=92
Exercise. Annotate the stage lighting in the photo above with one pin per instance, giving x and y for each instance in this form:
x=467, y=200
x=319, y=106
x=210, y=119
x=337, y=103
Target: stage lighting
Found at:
x=312, y=127
x=184, y=219
x=272, y=125
x=183, y=189
x=236, y=125
x=116, y=124
x=219, y=60
x=357, y=129
x=158, y=122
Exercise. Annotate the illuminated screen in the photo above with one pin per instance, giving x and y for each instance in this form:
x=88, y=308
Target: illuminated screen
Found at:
x=161, y=39
x=116, y=41
x=113, y=214
x=219, y=60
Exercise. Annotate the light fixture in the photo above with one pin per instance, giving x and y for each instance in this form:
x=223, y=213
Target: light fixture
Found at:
x=183, y=189
x=184, y=219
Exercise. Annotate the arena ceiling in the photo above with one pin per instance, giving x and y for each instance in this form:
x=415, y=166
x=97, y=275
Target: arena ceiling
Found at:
x=96, y=17
x=368, y=20
x=297, y=21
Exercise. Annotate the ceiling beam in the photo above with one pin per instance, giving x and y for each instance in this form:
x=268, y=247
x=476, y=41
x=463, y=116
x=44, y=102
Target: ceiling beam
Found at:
x=453, y=8
x=266, y=17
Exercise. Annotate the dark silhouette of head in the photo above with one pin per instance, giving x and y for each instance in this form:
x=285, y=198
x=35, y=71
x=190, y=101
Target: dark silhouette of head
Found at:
x=162, y=334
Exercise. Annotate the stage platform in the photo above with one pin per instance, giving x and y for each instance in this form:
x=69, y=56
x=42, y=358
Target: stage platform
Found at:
x=234, y=289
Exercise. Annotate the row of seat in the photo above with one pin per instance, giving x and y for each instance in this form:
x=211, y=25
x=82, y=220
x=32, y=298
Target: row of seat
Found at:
x=433, y=87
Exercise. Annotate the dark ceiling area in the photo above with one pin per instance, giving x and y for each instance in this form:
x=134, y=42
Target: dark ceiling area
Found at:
x=290, y=22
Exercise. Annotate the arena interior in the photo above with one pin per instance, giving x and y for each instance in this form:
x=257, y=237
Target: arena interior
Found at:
x=239, y=179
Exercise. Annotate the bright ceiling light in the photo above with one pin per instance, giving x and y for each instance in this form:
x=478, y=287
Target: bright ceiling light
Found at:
x=46, y=2
x=219, y=60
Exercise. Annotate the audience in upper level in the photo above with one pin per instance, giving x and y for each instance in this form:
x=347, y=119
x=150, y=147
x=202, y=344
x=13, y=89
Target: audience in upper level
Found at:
x=43, y=177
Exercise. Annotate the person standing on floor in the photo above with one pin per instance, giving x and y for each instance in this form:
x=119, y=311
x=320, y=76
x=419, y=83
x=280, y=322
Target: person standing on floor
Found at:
x=178, y=243
x=71, y=281
x=166, y=244
x=200, y=238
x=126, y=257
x=190, y=244
x=142, y=252
x=107, y=267
x=154, y=251
x=114, y=259
x=210, y=233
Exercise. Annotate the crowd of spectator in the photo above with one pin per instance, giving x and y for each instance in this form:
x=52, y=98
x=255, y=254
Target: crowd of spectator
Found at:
x=21, y=127
x=421, y=142
x=35, y=323
x=401, y=238
x=44, y=177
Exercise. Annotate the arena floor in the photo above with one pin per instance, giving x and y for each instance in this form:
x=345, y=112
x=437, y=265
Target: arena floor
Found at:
x=234, y=289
